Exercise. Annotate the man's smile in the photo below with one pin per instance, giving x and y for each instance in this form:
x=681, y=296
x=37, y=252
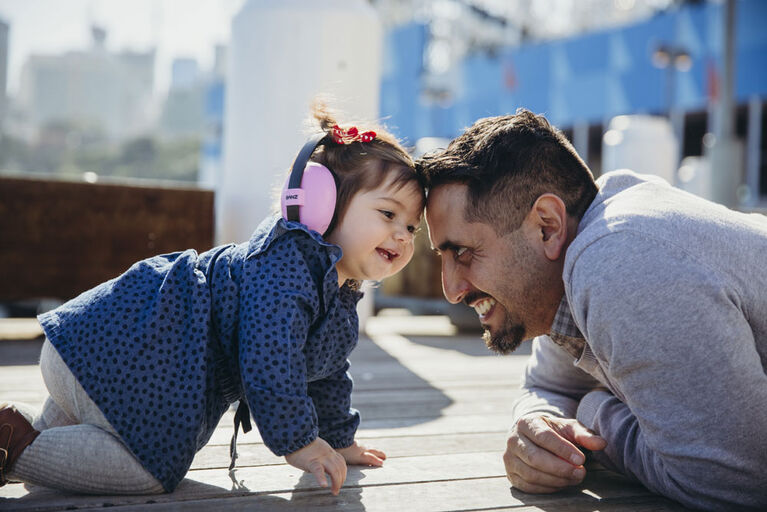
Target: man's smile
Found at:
x=482, y=303
x=484, y=308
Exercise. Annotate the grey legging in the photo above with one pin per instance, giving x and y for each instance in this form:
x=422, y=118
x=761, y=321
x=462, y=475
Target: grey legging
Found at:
x=77, y=449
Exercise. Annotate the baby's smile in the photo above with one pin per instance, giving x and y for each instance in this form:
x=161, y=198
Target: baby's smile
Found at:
x=387, y=254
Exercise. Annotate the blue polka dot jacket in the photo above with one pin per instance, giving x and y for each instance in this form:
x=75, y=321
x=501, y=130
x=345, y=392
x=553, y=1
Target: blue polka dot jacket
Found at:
x=164, y=348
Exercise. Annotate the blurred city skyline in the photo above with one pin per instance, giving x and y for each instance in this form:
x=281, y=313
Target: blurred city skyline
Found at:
x=137, y=89
x=174, y=28
x=184, y=29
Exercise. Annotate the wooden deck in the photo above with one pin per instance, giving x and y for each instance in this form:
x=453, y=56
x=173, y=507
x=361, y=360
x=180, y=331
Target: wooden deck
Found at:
x=436, y=402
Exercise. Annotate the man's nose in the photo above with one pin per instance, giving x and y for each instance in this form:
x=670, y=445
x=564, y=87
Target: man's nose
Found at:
x=454, y=286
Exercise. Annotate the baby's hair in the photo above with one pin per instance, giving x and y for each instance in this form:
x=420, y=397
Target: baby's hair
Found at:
x=361, y=166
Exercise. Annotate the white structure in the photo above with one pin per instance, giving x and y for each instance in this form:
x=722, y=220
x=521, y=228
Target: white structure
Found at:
x=694, y=176
x=281, y=56
x=3, y=70
x=644, y=144
x=96, y=87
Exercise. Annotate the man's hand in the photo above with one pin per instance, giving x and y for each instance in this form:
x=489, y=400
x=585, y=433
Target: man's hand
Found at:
x=359, y=455
x=542, y=454
x=318, y=458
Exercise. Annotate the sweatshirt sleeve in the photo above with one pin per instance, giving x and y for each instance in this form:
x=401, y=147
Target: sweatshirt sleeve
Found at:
x=674, y=342
x=338, y=422
x=553, y=385
x=278, y=304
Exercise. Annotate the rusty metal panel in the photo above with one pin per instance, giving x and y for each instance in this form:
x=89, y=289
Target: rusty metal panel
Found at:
x=59, y=238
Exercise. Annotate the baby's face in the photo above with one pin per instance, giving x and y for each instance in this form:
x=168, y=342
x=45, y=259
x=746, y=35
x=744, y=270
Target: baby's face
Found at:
x=376, y=232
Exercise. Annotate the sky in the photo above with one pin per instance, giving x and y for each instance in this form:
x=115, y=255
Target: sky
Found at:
x=177, y=28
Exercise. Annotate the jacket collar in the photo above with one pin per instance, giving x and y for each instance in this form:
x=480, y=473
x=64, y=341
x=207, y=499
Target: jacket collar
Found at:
x=275, y=226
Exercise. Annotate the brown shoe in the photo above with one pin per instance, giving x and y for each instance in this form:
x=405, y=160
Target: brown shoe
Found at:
x=16, y=433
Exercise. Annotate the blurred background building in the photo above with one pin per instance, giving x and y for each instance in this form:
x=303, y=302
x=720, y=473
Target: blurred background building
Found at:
x=672, y=87
x=611, y=59
x=3, y=68
x=98, y=90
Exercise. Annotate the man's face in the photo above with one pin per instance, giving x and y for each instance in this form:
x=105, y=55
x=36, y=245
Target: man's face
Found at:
x=514, y=288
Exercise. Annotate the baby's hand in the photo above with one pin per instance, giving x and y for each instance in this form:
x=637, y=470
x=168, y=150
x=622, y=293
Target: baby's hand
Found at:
x=317, y=458
x=357, y=454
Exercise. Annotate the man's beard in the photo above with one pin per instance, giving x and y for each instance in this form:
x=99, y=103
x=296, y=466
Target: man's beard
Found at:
x=507, y=340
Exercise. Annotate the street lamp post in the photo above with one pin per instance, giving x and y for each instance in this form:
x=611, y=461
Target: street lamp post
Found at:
x=673, y=58
x=726, y=153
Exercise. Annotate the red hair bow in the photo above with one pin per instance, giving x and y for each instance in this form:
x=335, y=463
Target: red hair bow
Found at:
x=341, y=136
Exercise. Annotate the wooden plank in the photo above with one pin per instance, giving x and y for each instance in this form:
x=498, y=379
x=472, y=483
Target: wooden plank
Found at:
x=375, y=416
x=439, y=408
x=427, y=497
x=395, y=427
x=411, y=325
x=381, y=499
x=442, y=406
x=255, y=454
x=454, y=394
x=483, y=470
x=429, y=362
x=19, y=329
x=490, y=494
x=284, y=478
x=22, y=384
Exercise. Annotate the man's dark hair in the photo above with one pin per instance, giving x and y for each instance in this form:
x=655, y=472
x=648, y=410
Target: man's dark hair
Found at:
x=507, y=162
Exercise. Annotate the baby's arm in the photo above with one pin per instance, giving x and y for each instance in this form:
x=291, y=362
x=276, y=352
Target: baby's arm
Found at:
x=338, y=421
x=278, y=304
x=332, y=398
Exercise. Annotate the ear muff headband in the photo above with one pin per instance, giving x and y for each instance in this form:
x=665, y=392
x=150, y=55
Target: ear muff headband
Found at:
x=309, y=195
x=297, y=171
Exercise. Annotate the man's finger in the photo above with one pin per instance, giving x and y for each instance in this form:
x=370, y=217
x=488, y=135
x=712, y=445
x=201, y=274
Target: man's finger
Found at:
x=538, y=465
x=546, y=434
x=532, y=488
x=584, y=437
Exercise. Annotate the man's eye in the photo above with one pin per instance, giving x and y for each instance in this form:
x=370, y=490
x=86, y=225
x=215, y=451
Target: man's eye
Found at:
x=387, y=214
x=459, y=252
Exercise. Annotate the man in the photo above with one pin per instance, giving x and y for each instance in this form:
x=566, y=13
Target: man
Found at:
x=648, y=307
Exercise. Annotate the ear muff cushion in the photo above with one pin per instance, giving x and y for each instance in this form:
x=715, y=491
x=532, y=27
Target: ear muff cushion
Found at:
x=316, y=199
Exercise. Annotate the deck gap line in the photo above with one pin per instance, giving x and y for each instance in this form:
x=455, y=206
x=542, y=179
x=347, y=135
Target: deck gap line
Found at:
x=388, y=457
x=241, y=493
x=386, y=484
x=388, y=436
x=460, y=384
x=420, y=456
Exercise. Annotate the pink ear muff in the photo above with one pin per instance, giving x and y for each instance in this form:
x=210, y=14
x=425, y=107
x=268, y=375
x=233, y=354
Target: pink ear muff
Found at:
x=316, y=199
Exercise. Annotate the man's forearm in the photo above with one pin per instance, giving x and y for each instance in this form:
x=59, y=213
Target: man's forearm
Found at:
x=541, y=401
x=552, y=384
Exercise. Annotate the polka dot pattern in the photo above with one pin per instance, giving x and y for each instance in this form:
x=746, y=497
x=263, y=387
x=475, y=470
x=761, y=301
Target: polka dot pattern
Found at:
x=155, y=347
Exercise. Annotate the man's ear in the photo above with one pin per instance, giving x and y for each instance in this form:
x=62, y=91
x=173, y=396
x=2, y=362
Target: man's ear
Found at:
x=549, y=216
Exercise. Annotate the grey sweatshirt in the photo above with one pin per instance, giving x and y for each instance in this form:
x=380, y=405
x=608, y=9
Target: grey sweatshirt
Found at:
x=670, y=293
